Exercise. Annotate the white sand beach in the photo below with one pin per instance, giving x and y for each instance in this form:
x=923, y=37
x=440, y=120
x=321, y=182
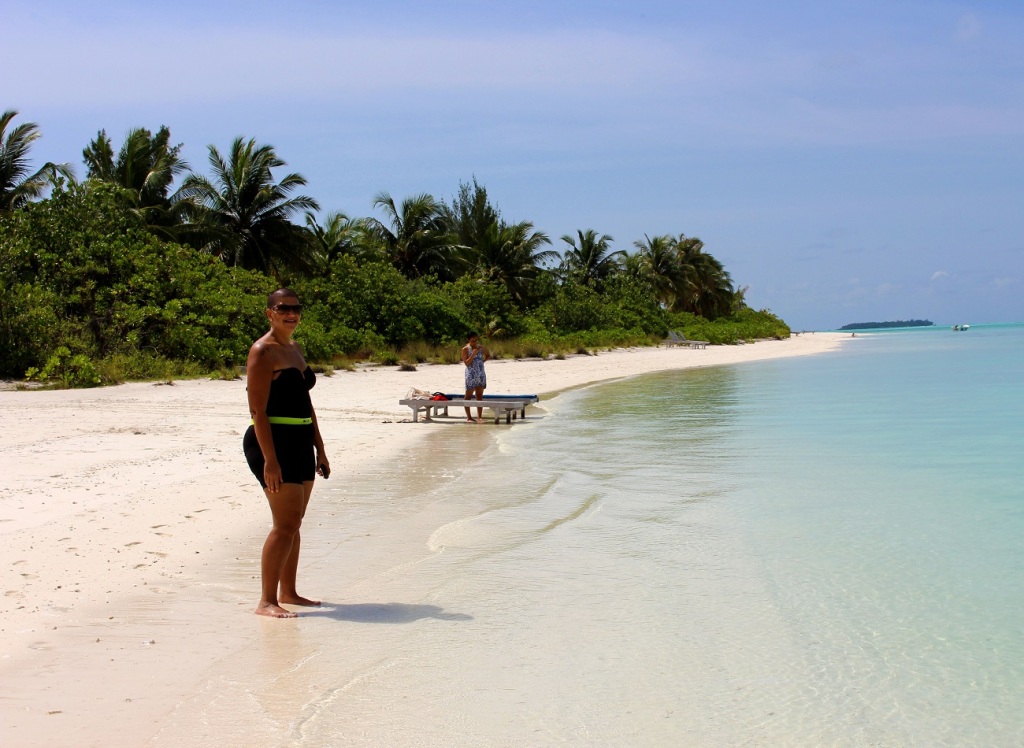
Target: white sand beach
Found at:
x=131, y=530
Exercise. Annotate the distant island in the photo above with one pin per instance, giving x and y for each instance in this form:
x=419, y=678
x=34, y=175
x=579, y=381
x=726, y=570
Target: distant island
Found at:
x=881, y=325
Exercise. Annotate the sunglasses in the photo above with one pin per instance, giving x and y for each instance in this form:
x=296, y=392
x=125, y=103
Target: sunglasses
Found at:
x=286, y=308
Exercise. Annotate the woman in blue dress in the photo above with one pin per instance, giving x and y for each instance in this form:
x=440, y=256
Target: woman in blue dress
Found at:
x=473, y=356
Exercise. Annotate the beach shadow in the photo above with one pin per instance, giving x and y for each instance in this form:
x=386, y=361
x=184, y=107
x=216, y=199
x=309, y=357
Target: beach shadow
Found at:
x=383, y=613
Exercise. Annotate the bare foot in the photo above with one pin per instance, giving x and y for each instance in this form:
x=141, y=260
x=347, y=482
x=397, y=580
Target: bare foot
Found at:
x=274, y=611
x=299, y=600
x=471, y=419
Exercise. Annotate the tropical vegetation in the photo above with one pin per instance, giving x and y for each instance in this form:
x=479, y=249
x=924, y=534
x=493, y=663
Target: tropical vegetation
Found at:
x=147, y=268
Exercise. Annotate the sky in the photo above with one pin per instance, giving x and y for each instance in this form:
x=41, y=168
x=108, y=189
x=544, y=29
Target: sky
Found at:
x=847, y=161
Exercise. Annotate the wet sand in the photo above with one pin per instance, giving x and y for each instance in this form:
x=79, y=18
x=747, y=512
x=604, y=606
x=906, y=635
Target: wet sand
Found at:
x=131, y=531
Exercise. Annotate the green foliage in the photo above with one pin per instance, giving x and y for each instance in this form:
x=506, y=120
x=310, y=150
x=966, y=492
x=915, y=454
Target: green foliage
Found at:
x=625, y=304
x=29, y=325
x=592, y=260
x=386, y=357
x=80, y=271
x=486, y=308
x=91, y=290
x=574, y=308
x=684, y=277
x=146, y=166
x=354, y=300
x=242, y=214
x=144, y=365
x=636, y=307
x=17, y=186
x=415, y=237
x=739, y=327
x=367, y=306
x=66, y=370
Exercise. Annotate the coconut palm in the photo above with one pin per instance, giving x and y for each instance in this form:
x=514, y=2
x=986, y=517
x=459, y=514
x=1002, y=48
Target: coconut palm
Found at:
x=659, y=263
x=512, y=256
x=242, y=215
x=415, y=238
x=338, y=235
x=708, y=289
x=17, y=185
x=146, y=166
x=591, y=261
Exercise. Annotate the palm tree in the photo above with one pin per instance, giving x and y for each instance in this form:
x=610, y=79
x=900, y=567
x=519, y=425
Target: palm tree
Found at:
x=146, y=166
x=17, y=185
x=339, y=235
x=591, y=261
x=512, y=256
x=708, y=289
x=416, y=239
x=659, y=264
x=242, y=214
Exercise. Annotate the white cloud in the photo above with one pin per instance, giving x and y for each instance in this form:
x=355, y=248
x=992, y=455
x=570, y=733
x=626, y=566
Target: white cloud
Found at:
x=939, y=274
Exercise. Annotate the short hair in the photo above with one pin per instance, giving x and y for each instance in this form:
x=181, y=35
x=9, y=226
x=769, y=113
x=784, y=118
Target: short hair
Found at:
x=281, y=293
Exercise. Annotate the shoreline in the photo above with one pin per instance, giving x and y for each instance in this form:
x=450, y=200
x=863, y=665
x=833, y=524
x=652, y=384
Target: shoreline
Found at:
x=132, y=527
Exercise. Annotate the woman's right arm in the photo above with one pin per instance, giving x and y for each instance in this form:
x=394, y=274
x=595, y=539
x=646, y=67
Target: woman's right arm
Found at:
x=259, y=374
x=467, y=355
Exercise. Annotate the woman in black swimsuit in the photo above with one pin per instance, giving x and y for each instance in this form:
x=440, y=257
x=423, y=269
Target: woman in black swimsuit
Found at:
x=283, y=447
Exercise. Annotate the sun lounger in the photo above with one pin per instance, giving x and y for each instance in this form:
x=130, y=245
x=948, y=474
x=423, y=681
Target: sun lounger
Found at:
x=509, y=406
x=677, y=338
x=525, y=399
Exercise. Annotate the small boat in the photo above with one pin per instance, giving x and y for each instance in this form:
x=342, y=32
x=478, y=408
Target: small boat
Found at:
x=961, y=328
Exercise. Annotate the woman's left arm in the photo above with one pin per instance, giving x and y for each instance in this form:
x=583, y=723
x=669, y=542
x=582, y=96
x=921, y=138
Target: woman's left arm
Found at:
x=318, y=442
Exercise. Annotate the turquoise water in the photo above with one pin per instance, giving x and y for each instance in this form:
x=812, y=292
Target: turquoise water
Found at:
x=815, y=551
x=810, y=551
x=881, y=494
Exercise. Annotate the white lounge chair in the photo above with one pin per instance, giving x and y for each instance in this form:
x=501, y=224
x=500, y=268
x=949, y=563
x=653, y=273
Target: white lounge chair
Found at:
x=508, y=406
x=677, y=338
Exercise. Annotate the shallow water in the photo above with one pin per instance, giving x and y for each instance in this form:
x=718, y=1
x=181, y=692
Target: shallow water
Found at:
x=814, y=551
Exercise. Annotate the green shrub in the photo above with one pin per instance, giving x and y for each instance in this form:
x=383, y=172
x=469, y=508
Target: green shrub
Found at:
x=741, y=326
x=79, y=270
x=65, y=369
x=385, y=357
x=144, y=365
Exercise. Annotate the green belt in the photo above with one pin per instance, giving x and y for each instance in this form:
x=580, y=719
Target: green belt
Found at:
x=287, y=421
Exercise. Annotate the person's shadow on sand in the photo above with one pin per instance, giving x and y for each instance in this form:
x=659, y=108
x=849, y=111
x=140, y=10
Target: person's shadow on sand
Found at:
x=383, y=613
